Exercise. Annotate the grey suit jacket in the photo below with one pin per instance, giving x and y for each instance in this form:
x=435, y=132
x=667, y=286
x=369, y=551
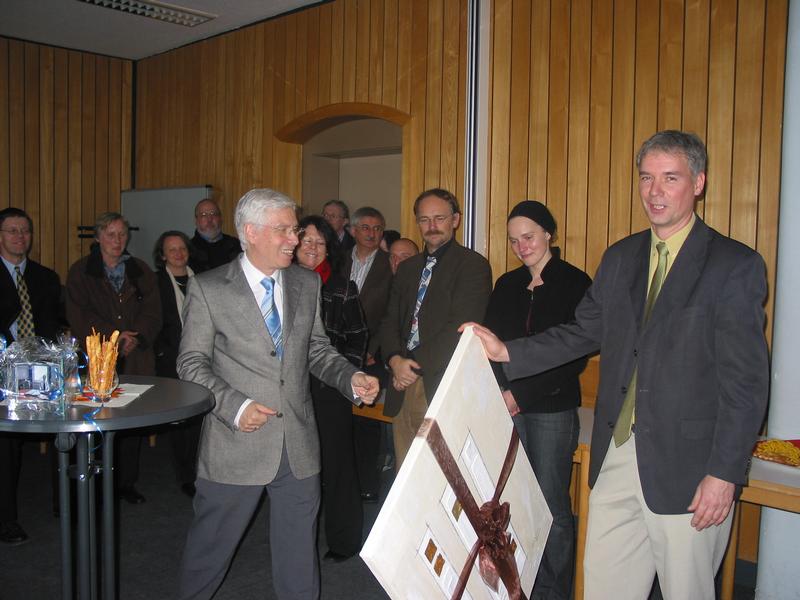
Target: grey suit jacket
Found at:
x=226, y=347
x=458, y=292
x=702, y=378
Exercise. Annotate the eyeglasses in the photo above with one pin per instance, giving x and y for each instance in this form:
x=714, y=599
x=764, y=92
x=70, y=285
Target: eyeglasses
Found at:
x=366, y=228
x=332, y=217
x=15, y=232
x=286, y=230
x=309, y=242
x=208, y=213
x=438, y=219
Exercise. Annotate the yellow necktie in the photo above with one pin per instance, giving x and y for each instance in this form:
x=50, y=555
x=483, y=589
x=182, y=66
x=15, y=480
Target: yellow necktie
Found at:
x=622, y=430
x=25, y=318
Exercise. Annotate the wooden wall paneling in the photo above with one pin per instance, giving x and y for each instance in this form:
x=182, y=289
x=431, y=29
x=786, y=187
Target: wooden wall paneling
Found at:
x=278, y=95
x=622, y=106
x=313, y=61
x=101, y=200
x=404, y=52
x=45, y=234
x=645, y=118
x=719, y=140
x=114, y=179
x=747, y=121
x=362, y=42
x=449, y=115
x=31, y=124
x=558, y=116
x=598, y=185
x=350, y=29
x=5, y=156
x=88, y=212
x=220, y=114
x=325, y=54
x=301, y=66
x=390, y=28
x=254, y=117
x=16, y=118
x=670, y=65
x=61, y=230
x=290, y=72
x=75, y=143
x=376, y=41
x=461, y=100
x=268, y=118
x=502, y=77
x=538, y=119
x=337, y=52
x=126, y=125
x=573, y=228
x=771, y=136
x=515, y=125
x=433, y=106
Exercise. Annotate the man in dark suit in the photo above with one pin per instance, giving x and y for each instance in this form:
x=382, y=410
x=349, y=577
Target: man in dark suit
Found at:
x=432, y=293
x=368, y=266
x=252, y=334
x=29, y=301
x=677, y=313
x=336, y=213
x=212, y=248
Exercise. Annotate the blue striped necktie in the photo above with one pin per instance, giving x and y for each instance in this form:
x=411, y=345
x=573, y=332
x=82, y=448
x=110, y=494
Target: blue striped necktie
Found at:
x=271, y=316
x=427, y=272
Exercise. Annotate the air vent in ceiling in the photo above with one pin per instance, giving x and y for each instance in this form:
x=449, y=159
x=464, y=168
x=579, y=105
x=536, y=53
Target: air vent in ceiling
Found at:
x=160, y=11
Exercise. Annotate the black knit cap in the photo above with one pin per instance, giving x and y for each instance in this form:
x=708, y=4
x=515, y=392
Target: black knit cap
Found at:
x=535, y=211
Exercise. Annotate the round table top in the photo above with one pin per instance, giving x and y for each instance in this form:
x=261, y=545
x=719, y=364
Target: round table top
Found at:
x=167, y=401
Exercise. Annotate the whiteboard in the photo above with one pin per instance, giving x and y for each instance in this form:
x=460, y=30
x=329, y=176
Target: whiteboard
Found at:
x=158, y=210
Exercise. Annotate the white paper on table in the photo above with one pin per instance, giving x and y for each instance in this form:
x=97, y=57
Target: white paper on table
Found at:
x=419, y=510
x=130, y=392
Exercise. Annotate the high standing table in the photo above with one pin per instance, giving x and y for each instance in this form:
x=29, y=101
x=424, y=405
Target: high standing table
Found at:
x=167, y=401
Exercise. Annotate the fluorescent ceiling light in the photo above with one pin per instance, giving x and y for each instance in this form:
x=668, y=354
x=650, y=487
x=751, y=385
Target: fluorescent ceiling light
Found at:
x=160, y=11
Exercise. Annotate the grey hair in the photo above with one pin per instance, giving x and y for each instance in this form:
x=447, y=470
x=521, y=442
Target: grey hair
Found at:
x=107, y=218
x=672, y=141
x=367, y=211
x=253, y=207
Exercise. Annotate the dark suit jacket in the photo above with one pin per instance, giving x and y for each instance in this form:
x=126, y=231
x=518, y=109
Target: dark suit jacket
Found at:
x=169, y=338
x=458, y=292
x=703, y=375
x=374, y=294
x=44, y=289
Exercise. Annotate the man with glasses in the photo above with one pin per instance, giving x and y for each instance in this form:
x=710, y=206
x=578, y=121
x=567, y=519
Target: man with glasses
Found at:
x=212, y=248
x=336, y=213
x=431, y=294
x=29, y=305
x=252, y=334
x=368, y=266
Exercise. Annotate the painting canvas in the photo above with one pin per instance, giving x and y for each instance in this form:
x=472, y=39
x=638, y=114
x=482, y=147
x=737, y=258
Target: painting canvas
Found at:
x=424, y=536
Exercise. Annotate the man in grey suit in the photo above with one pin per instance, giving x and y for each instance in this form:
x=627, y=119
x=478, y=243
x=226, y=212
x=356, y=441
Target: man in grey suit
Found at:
x=252, y=333
x=677, y=313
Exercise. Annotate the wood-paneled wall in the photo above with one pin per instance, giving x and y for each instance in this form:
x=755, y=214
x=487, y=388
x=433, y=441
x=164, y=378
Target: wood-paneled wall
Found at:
x=65, y=141
x=578, y=85
x=208, y=113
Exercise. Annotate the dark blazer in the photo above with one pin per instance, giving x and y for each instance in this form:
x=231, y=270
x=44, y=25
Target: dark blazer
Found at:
x=44, y=289
x=169, y=338
x=343, y=318
x=92, y=302
x=206, y=256
x=374, y=294
x=514, y=311
x=703, y=372
x=458, y=292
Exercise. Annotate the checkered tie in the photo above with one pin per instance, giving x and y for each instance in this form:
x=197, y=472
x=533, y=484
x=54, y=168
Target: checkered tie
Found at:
x=413, y=339
x=271, y=316
x=25, y=318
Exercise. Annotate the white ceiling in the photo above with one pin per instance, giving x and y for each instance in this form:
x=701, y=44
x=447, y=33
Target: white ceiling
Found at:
x=81, y=26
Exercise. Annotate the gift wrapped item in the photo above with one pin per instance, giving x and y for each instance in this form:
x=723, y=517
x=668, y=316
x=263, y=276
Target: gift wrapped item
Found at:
x=32, y=377
x=465, y=517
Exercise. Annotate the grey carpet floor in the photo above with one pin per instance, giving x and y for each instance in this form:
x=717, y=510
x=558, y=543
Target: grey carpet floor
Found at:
x=151, y=538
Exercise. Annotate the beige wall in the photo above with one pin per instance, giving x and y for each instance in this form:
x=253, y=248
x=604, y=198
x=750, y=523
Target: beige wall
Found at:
x=372, y=181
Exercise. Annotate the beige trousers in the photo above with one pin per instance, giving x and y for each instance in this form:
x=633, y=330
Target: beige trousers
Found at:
x=406, y=423
x=627, y=544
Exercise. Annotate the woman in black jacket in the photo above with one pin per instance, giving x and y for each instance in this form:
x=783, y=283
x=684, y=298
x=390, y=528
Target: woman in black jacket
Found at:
x=346, y=327
x=171, y=257
x=541, y=293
